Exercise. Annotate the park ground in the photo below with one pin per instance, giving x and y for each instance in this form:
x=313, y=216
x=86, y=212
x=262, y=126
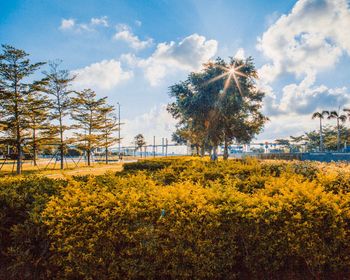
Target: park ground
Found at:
x=71, y=169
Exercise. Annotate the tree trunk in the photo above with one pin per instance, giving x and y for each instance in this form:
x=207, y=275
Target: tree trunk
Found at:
x=225, y=149
x=19, y=157
x=18, y=135
x=321, y=136
x=34, y=148
x=88, y=153
x=19, y=150
x=34, y=156
x=202, y=147
x=106, y=150
x=61, y=146
x=338, y=136
x=61, y=156
x=213, y=153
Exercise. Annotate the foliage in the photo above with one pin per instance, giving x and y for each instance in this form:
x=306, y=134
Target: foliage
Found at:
x=183, y=218
x=110, y=124
x=330, y=135
x=23, y=237
x=340, y=118
x=15, y=68
x=88, y=112
x=38, y=110
x=212, y=109
x=33, y=113
x=58, y=88
x=139, y=141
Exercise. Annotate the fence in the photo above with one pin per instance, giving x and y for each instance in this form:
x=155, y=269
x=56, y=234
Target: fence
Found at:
x=323, y=157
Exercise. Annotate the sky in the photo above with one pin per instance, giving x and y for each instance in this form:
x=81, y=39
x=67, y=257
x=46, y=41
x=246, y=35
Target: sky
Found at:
x=132, y=51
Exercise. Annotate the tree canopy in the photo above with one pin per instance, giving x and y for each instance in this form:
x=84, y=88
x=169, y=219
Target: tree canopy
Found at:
x=218, y=105
x=15, y=69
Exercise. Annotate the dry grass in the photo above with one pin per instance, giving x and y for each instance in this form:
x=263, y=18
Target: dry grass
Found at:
x=53, y=169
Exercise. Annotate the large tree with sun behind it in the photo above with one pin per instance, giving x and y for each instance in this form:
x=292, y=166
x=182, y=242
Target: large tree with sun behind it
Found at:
x=219, y=105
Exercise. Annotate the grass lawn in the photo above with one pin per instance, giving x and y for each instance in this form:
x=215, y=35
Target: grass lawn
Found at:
x=52, y=170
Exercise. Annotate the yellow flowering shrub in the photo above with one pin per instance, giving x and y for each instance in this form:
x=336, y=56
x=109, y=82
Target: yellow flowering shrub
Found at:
x=24, y=246
x=190, y=219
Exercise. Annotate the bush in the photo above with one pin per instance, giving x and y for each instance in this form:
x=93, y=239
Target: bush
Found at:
x=205, y=227
x=23, y=237
x=148, y=165
x=180, y=219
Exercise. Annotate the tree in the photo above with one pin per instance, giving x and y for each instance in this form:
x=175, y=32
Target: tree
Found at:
x=15, y=70
x=283, y=143
x=88, y=112
x=59, y=82
x=191, y=119
x=178, y=137
x=320, y=116
x=220, y=104
x=110, y=125
x=341, y=118
x=297, y=140
x=347, y=111
x=185, y=134
x=329, y=138
x=38, y=110
x=139, y=142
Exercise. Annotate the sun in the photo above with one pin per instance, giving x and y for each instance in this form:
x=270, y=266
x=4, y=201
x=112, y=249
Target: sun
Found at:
x=231, y=73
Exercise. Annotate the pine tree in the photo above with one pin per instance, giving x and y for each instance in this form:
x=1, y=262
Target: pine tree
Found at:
x=38, y=110
x=109, y=126
x=87, y=111
x=15, y=69
x=59, y=82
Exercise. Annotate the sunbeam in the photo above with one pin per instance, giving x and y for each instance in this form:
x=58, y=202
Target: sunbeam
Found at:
x=231, y=73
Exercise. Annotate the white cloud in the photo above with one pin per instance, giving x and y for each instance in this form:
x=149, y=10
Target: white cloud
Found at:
x=67, y=24
x=240, y=54
x=157, y=122
x=102, y=75
x=309, y=39
x=125, y=34
x=100, y=21
x=305, y=98
x=72, y=25
x=284, y=126
x=169, y=58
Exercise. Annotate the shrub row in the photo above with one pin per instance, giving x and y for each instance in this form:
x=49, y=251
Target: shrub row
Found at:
x=188, y=219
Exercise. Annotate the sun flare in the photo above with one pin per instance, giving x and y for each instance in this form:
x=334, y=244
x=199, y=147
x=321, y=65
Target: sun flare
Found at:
x=231, y=73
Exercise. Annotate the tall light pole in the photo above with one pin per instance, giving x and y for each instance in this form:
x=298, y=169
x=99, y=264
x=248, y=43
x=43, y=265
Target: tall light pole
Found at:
x=119, y=130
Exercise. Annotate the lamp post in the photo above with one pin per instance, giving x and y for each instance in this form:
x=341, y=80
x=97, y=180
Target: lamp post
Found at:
x=119, y=155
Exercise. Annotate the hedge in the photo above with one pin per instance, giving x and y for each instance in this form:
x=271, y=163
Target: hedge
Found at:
x=190, y=219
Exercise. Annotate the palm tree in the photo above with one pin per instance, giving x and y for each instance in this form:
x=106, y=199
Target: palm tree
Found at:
x=340, y=118
x=320, y=115
x=347, y=111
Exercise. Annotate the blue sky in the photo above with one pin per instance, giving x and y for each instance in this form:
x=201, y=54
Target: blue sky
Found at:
x=132, y=51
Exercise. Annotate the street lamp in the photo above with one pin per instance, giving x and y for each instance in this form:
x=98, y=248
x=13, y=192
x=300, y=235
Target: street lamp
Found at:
x=119, y=130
